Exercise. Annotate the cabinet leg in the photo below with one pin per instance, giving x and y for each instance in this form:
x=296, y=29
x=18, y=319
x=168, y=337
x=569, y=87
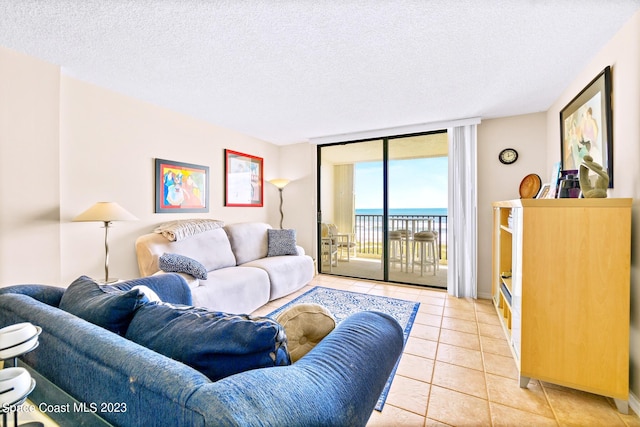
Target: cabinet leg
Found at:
x=524, y=381
x=622, y=405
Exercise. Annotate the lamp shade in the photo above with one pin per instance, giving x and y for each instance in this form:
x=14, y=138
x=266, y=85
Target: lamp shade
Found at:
x=105, y=211
x=279, y=182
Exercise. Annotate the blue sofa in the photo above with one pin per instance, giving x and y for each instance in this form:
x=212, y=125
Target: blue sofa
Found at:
x=335, y=384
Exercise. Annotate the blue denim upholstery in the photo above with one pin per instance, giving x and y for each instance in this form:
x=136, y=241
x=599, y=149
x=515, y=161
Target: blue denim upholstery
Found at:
x=171, y=288
x=336, y=383
x=216, y=344
x=104, y=306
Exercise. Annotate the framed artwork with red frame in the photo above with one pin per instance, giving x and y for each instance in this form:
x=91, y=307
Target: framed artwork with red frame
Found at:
x=181, y=187
x=244, y=185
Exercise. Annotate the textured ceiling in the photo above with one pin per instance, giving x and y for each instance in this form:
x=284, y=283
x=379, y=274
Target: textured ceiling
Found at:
x=287, y=71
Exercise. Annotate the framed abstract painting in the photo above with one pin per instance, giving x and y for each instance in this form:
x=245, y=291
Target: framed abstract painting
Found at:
x=181, y=187
x=586, y=126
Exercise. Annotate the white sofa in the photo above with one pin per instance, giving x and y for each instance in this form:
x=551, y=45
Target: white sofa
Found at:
x=240, y=275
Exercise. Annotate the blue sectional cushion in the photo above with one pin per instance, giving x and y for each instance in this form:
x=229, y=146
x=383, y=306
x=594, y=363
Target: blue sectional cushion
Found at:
x=105, y=306
x=170, y=287
x=216, y=344
x=282, y=242
x=175, y=263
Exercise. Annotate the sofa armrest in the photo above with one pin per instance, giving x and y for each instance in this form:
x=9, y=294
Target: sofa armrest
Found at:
x=337, y=383
x=96, y=366
x=170, y=287
x=50, y=295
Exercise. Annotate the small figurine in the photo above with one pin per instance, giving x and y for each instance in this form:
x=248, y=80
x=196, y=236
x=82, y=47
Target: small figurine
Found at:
x=602, y=181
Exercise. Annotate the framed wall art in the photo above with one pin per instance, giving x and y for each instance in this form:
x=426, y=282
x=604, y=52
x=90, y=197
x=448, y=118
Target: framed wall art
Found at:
x=243, y=179
x=544, y=191
x=181, y=187
x=586, y=126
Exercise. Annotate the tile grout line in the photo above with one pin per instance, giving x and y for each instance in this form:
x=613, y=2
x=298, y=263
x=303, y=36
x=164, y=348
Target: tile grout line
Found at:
x=435, y=360
x=484, y=365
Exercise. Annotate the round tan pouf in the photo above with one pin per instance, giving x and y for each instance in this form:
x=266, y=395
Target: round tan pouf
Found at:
x=305, y=325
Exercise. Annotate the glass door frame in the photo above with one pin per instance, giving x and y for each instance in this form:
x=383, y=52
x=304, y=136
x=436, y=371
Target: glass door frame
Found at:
x=385, y=200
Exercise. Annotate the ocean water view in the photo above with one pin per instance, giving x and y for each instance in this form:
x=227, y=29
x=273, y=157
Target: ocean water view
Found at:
x=405, y=211
x=369, y=226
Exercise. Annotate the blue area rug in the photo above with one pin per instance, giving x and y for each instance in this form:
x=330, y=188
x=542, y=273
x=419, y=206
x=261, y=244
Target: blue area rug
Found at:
x=342, y=304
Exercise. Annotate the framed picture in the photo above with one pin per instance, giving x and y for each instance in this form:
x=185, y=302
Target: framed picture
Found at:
x=586, y=126
x=555, y=180
x=243, y=179
x=544, y=191
x=181, y=187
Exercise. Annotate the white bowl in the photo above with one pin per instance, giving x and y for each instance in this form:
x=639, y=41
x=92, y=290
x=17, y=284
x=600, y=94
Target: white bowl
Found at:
x=18, y=339
x=16, y=334
x=15, y=384
x=19, y=349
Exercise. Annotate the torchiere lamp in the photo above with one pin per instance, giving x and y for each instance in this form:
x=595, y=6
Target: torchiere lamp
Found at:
x=280, y=183
x=106, y=212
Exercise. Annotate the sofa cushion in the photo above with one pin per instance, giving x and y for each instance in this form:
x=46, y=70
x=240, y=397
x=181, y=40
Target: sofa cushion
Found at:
x=148, y=293
x=210, y=248
x=104, y=306
x=176, y=263
x=248, y=240
x=281, y=242
x=287, y=274
x=170, y=287
x=233, y=290
x=217, y=344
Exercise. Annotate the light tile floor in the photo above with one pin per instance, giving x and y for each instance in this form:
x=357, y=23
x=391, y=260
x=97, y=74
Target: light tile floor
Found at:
x=457, y=370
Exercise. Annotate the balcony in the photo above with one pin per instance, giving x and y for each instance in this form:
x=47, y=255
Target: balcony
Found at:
x=365, y=260
x=369, y=232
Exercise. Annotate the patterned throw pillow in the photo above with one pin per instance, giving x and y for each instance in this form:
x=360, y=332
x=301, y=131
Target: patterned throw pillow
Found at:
x=282, y=242
x=175, y=263
x=305, y=325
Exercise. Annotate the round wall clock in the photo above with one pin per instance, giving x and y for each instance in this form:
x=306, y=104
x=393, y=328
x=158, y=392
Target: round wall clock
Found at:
x=508, y=156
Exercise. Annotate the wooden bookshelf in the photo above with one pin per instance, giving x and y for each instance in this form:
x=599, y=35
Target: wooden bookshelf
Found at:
x=565, y=308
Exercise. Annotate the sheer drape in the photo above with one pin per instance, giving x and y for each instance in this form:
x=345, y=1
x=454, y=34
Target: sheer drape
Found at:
x=462, y=232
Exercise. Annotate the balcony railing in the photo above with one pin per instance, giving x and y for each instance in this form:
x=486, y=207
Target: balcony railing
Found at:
x=369, y=231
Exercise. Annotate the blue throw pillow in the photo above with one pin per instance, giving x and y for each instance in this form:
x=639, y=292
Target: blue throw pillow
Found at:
x=216, y=344
x=175, y=263
x=282, y=242
x=104, y=306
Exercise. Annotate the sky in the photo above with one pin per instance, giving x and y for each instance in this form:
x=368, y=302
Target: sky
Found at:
x=413, y=183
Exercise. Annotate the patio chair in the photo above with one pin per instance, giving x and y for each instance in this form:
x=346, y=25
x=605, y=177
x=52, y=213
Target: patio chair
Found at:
x=345, y=242
x=328, y=247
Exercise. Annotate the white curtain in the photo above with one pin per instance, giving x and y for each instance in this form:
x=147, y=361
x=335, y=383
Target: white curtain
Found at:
x=462, y=235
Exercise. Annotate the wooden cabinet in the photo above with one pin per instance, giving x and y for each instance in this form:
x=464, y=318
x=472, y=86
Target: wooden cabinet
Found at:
x=561, y=285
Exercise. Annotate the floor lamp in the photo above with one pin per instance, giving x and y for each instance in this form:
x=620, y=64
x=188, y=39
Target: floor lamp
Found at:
x=106, y=212
x=280, y=183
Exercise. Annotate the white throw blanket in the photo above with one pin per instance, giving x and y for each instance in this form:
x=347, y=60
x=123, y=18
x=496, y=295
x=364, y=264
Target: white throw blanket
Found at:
x=183, y=228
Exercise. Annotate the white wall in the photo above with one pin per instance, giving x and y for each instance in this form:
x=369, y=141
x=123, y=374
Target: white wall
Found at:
x=107, y=151
x=29, y=170
x=66, y=144
x=298, y=164
x=525, y=133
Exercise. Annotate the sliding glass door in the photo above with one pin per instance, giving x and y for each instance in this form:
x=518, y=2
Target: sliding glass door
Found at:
x=350, y=235
x=383, y=209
